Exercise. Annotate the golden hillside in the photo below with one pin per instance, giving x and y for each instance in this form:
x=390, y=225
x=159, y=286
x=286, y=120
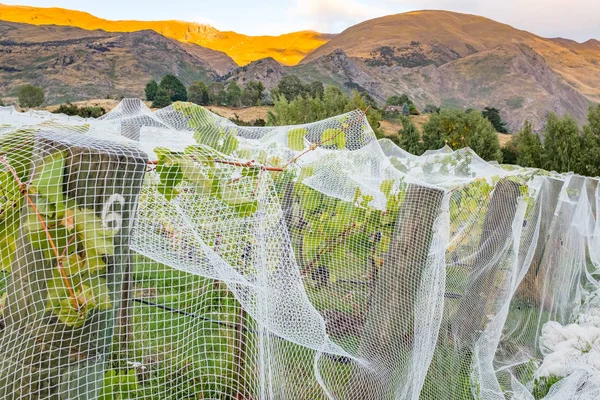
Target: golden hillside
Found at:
x=288, y=49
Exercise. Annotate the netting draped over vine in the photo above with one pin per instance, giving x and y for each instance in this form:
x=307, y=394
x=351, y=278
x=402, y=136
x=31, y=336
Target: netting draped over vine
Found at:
x=295, y=262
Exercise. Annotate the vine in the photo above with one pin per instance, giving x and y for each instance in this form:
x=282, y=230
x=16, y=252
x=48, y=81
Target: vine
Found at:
x=72, y=238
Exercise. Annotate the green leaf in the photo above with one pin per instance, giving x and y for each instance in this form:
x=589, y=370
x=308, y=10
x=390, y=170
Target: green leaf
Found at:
x=94, y=264
x=3, y=303
x=194, y=175
x=95, y=238
x=170, y=175
x=101, y=293
x=69, y=315
x=7, y=249
x=55, y=293
x=230, y=144
x=296, y=138
x=386, y=187
x=73, y=264
x=246, y=209
x=334, y=137
x=48, y=180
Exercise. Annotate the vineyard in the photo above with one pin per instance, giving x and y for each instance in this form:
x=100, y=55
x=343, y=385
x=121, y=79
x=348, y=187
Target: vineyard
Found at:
x=175, y=255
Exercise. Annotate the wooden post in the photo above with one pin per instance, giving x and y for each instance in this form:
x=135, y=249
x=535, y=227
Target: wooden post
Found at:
x=386, y=336
x=496, y=233
x=530, y=289
x=40, y=357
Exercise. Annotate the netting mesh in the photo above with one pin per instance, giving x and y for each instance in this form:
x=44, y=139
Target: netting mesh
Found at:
x=173, y=254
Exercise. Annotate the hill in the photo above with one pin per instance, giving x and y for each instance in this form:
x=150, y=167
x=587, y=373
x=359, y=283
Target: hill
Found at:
x=75, y=64
x=287, y=49
x=423, y=38
x=436, y=57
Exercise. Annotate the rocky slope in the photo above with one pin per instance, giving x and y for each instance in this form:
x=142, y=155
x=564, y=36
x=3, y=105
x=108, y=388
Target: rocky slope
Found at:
x=73, y=64
x=422, y=38
x=437, y=57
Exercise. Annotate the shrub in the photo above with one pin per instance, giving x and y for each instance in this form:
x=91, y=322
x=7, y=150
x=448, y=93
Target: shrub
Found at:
x=30, y=96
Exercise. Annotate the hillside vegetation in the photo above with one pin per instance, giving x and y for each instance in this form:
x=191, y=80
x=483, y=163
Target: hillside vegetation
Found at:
x=288, y=49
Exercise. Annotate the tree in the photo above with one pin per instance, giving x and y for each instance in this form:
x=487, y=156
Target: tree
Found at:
x=530, y=152
x=162, y=99
x=198, y=93
x=30, y=96
x=304, y=110
x=493, y=115
x=398, y=100
x=173, y=87
x=84, y=112
x=459, y=129
x=432, y=133
x=316, y=90
x=431, y=109
x=409, y=138
x=510, y=153
x=482, y=138
x=589, y=160
x=266, y=98
x=234, y=95
x=151, y=89
x=217, y=94
x=291, y=87
x=561, y=144
x=1, y=103
x=251, y=95
x=358, y=101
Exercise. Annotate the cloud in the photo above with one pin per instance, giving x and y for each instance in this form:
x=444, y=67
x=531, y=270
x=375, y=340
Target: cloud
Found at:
x=334, y=15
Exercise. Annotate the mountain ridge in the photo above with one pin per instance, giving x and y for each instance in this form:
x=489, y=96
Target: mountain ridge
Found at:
x=287, y=49
x=436, y=57
x=72, y=63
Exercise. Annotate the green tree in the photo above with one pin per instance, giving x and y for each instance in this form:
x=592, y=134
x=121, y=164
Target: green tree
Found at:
x=493, y=115
x=530, y=152
x=1, y=103
x=510, y=153
x=304, y=110
x=162, y=98
x=84, y=112
x=358, y=101
x=173, y=87
x=431, y=109
x=335, y=101
x=217, y=94
x=409, y=138
x=482, y=138
x=432, y=133
x=30, y=96
x=151, y=89
x=234, y=95
x=316, y=90
x=459, y=129
x=252, y=93
x=291, y=87
x=399, y=100
x=589, y=161
x=198, y=93
x=561, y=144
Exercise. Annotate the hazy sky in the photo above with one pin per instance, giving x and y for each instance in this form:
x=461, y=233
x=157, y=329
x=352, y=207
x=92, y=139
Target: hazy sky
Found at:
x=574, y=19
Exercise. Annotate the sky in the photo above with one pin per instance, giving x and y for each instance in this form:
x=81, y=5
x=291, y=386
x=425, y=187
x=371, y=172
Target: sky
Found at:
x=573, y=19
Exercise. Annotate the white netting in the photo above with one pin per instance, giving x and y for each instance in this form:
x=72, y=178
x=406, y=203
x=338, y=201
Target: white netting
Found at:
x=298, y=262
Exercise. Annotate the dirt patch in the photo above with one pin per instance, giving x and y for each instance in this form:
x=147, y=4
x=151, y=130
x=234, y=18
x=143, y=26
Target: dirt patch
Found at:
x=246, y=114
